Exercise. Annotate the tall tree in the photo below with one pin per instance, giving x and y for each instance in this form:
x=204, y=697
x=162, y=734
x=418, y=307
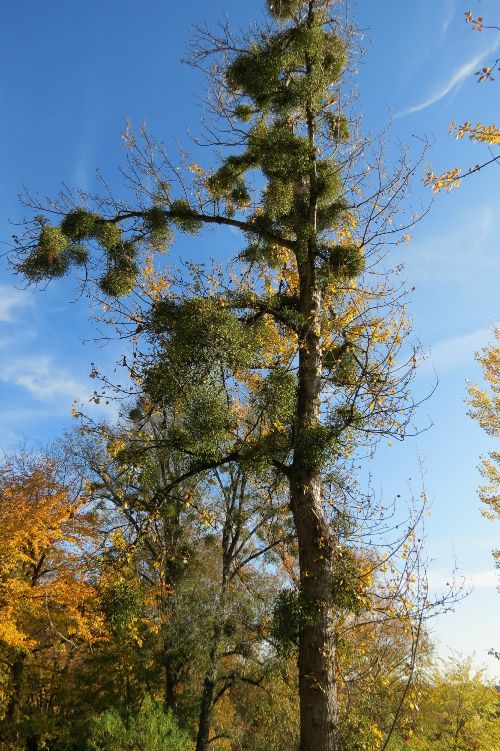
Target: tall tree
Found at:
x=285, y=358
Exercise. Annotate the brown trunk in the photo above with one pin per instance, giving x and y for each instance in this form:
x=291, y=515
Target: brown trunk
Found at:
x=319, y=712
x=32, y=743
x=316, y=662
x=13, y=709
x=317, y=647
x=207, y=703
x=210, y=683
x=9, y=732
x=170, y=700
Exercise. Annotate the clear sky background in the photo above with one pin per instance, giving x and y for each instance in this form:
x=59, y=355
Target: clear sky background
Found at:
x=70, y=73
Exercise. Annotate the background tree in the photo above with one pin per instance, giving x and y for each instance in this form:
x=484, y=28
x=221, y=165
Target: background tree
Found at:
x=151, y=728
x=485, y=408
x=202, y=554
x=218, y=618
x=455, y=708
x=47, y=600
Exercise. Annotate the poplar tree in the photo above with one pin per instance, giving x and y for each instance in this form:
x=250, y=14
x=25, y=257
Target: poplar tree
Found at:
x=287, y=358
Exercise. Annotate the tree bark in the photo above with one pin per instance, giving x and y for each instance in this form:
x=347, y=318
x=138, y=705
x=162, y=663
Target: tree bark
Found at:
x=9, y=733
x=170, y=700
x=319, y=711
x=32, y=743
x=317, y=646
x=207, y=703
x=14, y=706
x=210, y=682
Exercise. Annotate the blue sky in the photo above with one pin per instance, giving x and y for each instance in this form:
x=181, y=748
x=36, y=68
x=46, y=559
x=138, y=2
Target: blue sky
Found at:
x=70, y=73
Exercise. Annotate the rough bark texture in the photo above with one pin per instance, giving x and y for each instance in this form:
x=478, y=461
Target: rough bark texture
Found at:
x=317, y=648
x=319, y=709
x=14, y=706
x=317, y=680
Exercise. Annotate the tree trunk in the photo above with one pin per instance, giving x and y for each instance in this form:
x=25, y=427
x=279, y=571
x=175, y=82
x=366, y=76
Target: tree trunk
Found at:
x=209, y=685
x=14, y=706
x=207, y=703
x=32, y=743
x=319, y=712
x=317, y=648
x=170, y=700
x=9, y=733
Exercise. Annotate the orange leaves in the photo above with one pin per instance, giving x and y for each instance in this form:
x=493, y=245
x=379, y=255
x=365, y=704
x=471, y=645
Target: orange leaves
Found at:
x=489, y=360
x=485, y=405
x=478, y=133
x=43, y=534
x=485, y=74
x=153, y=283
x=477, y=23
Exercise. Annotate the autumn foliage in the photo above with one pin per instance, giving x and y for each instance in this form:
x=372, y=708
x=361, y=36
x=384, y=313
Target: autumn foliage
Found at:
x=207, y=571
x=45, y=594
x=484, y=403
x=477, y=133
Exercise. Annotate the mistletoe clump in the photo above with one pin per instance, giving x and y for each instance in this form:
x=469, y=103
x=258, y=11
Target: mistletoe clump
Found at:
x=49, y=258
x=283, y=10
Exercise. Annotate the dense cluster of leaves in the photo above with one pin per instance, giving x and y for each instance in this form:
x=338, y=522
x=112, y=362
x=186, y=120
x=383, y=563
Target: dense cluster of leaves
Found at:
x=151, y=728
x=146, y=597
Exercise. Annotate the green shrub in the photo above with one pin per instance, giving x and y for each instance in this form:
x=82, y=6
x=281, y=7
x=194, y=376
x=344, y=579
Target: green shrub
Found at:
x=152, y=729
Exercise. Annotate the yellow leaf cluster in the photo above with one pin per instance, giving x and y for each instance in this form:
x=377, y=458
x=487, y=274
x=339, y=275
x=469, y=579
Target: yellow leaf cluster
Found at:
x=44, y=592
x=478, y=132
x=484, y=406
x=446, y=181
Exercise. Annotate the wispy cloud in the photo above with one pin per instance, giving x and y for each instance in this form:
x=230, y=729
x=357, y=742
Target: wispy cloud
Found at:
x=449, y=13
x=485, y=579
x=42, y=378
x=456, y=250
x=52, y=388
x=10, y=300
x=449, y=354
x=455, y=81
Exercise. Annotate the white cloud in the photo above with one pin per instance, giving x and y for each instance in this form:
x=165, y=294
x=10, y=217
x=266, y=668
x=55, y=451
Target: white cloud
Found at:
x=449, y=13
x=42, y=378
x=456, y=79
x=53, y=387
x=459, y=250
x=10, y=299
x=485, y=579
x=448, y=354
x=11, y=340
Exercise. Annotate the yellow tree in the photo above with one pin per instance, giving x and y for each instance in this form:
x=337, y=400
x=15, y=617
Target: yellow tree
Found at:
x=485, y=408
x=46, y=536
x=457, y=709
